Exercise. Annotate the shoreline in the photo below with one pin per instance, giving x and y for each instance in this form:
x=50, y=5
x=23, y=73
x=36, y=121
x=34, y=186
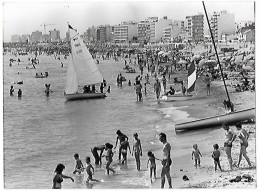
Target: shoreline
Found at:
x=208, y=178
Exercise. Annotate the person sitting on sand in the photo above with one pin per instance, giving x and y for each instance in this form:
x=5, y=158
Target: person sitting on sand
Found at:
x=97, y=156
x=90, y=171
x=215, y=156
x=196, y=153
x=229, y=106
x=230, y=137
x=238, y=88
x=79, y=165
x=171, y=92
x=243, y=137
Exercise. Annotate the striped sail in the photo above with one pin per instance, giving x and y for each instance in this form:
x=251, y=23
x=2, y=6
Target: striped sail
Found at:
x=192, y=76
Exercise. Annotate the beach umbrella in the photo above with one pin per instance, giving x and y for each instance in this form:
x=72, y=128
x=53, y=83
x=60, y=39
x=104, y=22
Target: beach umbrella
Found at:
x=202, y=62
x=247, y=68
x=182, y=62
x=239, y=59
x=160, y=53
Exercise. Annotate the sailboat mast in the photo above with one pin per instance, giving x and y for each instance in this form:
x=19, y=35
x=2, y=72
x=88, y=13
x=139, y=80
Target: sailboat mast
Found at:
x=216, y=51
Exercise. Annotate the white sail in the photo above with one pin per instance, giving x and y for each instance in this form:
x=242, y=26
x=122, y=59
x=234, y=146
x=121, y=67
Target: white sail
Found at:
x=84, y=65
x=71, y=80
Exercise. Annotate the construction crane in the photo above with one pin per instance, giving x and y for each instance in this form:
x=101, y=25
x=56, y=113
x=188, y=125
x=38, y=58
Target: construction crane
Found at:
x=44, y=26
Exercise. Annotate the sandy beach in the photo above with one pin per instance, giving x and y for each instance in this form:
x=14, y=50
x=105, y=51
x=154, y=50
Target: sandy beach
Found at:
x=205, y=176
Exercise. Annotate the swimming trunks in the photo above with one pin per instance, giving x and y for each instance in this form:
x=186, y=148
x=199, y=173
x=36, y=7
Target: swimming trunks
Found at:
x=227, y=145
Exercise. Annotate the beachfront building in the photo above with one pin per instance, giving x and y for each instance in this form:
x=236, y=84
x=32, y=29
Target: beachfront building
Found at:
x=91, y=34
x=143, y=31
x=172, y=32
x=151, y=29
x=195, y=28
x=46, y=38
x=55, y=35
x=246, y=33
x=125, y=32
x=25, y=38
x=222, y=23
x=36, y=37
x=159, y=26
x=15, y=38
x=104, y=33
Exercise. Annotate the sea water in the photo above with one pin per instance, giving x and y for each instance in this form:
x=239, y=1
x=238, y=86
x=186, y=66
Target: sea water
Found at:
x=39, y=131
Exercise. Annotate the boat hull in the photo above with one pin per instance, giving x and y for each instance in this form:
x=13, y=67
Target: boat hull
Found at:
x=79, y=96
x=176, y=97
x=218, y=120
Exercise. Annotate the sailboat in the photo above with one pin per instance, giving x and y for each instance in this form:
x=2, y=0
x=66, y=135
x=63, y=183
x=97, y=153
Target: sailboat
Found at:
x=82, y=71
x=192, y=76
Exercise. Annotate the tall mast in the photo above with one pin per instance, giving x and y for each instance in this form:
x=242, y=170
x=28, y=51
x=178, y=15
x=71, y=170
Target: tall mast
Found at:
x=216, y=51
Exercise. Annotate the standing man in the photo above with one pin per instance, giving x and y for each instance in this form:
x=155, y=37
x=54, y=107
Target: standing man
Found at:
x=230, y=137
x=157, y=88
x=243, y=137
x=120, y=137
x=137, y=150
x=166, y=162
x=164, y=84
x=207, y=81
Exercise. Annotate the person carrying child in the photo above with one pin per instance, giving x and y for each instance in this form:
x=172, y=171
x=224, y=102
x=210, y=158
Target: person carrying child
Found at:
x=196, y=153
x=109, y=157
x=215, y=156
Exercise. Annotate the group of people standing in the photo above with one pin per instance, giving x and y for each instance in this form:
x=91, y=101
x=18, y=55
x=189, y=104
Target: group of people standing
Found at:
x=230, y=137
x=124, y=147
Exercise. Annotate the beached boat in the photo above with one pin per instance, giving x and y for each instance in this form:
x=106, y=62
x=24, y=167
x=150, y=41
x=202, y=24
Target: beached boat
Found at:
x=192, y=76
x=214, y=121
x=82, y=71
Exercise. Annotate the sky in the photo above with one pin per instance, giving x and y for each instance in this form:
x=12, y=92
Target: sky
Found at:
x=24, y=17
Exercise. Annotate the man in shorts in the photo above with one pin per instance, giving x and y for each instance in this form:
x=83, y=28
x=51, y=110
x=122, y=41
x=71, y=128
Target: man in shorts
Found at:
x=166, y=162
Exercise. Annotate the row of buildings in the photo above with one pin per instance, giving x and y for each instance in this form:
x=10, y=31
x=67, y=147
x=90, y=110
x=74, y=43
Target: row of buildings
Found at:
x=152, y=30
x=37, y=36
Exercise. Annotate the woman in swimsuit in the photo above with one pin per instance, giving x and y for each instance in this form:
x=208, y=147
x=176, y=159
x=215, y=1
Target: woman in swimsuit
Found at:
x=230, y=137
x=243, y=136
x=58, y=178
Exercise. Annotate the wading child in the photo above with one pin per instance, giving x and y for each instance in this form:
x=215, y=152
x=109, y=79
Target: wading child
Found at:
x=90, y=171
x=196, y=153
x=215, y=156
x=109, y=157
x=79, y=165
x=151, y=160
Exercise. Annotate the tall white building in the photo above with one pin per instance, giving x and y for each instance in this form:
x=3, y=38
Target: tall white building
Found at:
x=125, y=32
x=222, y=23
x=159, y=26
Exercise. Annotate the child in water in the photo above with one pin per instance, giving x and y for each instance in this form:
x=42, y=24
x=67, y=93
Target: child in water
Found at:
x=215, y=156
x=151, y=160
x=109, y=157
x=90, y=170
x=196, y=153
x=79, y=165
